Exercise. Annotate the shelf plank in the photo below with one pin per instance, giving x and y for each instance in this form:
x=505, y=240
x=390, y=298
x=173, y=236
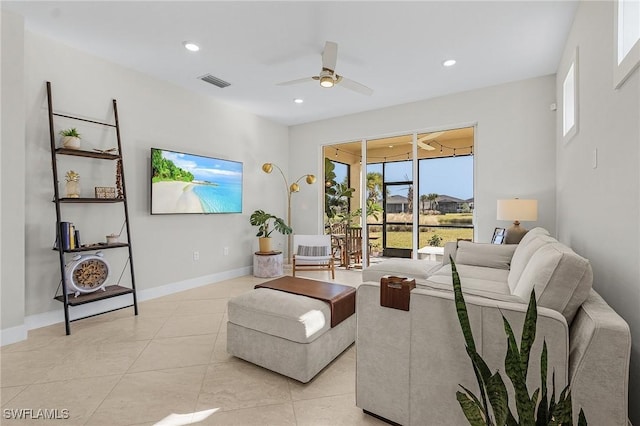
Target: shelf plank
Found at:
x=94, y=247
x=110, y=291
x=90, y=154
x=90, y=200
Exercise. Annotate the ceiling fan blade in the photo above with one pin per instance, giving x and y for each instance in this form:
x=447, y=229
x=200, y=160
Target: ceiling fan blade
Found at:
x=298, y=81
x=430, y=136
x=425, y=146
x=330, y=56
x=354, y=85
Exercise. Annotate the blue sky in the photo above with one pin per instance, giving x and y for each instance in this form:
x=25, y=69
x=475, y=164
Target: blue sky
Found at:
x=207, y=169
x=444, y=176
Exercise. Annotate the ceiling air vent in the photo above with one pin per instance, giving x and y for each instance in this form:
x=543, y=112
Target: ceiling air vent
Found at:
x=215, y=81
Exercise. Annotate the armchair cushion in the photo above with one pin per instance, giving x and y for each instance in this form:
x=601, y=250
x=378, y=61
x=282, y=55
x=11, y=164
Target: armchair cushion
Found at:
x=313, y=251
x=486, y=255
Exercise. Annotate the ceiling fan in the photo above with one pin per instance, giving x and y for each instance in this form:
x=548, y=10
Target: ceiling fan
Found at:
x=422, y=141
x=328, y=77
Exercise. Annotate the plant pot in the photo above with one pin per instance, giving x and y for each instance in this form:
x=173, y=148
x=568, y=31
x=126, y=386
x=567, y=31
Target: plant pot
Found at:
x=265, y=244
x=71, y=142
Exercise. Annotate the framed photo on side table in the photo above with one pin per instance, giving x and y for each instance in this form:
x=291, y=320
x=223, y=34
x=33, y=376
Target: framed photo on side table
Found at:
x=498, y=236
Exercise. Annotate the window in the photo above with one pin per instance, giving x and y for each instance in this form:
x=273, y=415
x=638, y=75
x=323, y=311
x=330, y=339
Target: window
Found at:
x=627, y=34
x=568, y=97
x=570, y=100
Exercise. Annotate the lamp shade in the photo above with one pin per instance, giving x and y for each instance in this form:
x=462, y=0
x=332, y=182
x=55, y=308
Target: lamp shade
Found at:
x=517, y=209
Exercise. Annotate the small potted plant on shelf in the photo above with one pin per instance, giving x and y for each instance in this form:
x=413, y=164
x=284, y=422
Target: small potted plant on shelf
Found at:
x=262, y=220
x=70, y=138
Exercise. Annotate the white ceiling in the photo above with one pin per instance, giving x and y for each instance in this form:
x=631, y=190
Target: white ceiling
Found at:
x=396, y=48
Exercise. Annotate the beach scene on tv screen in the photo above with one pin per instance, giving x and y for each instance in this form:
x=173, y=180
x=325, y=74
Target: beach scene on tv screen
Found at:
x=186, y=183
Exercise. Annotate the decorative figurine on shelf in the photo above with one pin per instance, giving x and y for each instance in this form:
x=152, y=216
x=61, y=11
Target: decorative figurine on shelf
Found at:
x=70, y=138
x=119, y=179
x=73, y=184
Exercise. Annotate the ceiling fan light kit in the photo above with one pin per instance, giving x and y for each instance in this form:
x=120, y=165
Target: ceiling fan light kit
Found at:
x=326, y=81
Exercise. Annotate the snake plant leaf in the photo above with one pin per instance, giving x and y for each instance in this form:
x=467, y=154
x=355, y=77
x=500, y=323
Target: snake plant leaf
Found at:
x=461, y=307
x=511, y=421
x=499, y=398
x=562, y=412
x=542, y=416
x=471, y=410
x=482, y=374
x=478, y=362
x=582, y=420
x=472, y=395
x=528, y=332
x=518, y=377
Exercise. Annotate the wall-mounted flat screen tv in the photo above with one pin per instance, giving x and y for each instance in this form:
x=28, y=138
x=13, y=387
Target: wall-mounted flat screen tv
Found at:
x=188, y=183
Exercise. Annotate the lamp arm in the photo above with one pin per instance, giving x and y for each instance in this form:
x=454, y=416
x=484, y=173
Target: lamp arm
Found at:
x=286, y=184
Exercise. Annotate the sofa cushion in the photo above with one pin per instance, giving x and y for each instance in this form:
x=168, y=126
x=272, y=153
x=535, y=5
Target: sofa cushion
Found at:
x=409, y=268
x=490, y=283
x=561, y=278
x=290, y=316
x=485, y=255
x=531, y=242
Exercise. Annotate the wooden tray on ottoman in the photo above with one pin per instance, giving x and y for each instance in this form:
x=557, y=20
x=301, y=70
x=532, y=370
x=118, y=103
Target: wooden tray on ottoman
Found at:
x=341, y=298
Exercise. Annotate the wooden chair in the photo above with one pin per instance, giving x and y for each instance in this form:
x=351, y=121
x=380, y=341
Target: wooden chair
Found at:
x=338, y=235
x=312, y=252
x=353, y=246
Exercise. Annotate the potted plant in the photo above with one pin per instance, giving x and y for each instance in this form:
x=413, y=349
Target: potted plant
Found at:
x=492, y=408
x=261, y=219
x=70, y=138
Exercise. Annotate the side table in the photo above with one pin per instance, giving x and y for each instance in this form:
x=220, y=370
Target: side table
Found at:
x=267, y=265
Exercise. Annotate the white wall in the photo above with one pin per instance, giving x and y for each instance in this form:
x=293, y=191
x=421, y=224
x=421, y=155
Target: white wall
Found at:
x=598, y=210
x=12, y=158
x=152, y=113
x=514, y=146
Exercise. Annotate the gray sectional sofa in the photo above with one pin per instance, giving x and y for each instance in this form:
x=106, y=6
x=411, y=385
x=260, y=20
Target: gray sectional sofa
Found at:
x=410, y=363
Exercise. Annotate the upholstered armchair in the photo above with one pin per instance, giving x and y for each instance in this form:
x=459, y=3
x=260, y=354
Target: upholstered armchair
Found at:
x=312, y=252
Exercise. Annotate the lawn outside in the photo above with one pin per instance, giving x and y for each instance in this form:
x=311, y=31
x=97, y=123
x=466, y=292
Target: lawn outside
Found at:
x=402, y=237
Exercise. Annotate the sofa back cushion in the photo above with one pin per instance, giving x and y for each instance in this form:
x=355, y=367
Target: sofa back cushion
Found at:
x=561, y=278
x=530, y=243
x=486, y=255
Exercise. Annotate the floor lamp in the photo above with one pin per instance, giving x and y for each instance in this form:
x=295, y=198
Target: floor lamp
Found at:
x=294, y=187
x=517, y=210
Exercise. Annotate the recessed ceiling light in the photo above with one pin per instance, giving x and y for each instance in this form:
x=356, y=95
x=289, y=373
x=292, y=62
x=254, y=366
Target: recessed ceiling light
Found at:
x=449, y=63
x=191, y=46
x=390, y=146
x=298, y=100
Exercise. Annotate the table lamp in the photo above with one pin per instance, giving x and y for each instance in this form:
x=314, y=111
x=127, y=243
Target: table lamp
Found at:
x=517, y=210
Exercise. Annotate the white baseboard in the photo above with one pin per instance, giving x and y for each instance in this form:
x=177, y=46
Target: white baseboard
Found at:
x=19, y=333
x=13, y=334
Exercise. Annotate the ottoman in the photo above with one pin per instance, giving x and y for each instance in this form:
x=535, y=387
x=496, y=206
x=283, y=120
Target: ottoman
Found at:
x=286, y=333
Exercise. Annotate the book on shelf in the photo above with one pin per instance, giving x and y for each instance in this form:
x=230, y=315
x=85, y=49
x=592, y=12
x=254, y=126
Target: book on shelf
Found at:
x=69, y=236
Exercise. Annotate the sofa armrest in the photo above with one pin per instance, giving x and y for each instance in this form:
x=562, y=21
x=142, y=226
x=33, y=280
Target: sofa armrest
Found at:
x=599, y=362
x=449, y=250
x=382, y=356
x=439, y=362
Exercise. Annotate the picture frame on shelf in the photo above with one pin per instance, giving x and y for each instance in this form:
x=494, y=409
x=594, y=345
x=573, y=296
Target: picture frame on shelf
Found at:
x=498, y=236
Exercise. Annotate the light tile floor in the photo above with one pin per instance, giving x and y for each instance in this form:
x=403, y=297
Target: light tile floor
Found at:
x=169, y=365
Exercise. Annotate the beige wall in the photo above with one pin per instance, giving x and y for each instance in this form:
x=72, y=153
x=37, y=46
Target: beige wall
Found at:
x=12, y=159
x=152, y=113
x=598, y=210
x=514, y=146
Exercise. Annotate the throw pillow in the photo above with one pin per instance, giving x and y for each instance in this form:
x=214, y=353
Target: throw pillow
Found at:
x=314, y=251
x=488, y=255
